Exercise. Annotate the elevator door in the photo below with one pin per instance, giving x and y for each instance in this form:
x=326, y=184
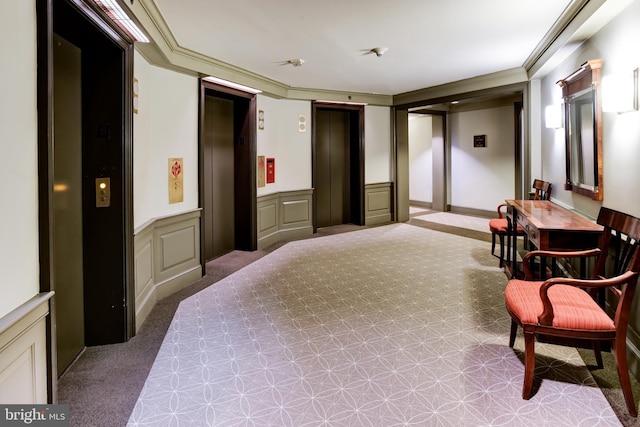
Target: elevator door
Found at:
x=333, y=171
x=67, y=193
x=219, y=158
x=90, y=243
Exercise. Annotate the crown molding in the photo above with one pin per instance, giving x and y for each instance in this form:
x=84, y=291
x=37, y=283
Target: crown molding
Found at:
x=457, y=90
x=164, y=51
x=580, y=20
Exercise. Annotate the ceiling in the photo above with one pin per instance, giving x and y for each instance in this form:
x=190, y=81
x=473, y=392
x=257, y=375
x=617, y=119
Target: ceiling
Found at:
x=428, y=42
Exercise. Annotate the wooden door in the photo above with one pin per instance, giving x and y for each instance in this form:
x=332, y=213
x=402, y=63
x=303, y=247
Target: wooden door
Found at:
x=332, y=168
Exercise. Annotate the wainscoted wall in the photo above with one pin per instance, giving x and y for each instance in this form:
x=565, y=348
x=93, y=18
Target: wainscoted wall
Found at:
x=377, y=203
x=23, y=352
x=285, y=215
x=167, y=258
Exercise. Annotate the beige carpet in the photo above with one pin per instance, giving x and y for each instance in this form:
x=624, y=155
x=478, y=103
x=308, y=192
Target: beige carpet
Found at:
x=394, y=325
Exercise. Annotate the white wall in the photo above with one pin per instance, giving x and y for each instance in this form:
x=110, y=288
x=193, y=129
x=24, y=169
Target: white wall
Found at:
x=291, y=148
x=616, y=44
x=377, y=144
x=420, y=158
x=166, y=126
x=482, y=178
x=282, y=140
x=18, y=149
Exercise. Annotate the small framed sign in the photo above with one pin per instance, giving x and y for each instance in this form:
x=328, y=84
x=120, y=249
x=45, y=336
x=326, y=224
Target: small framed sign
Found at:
x=480, y=140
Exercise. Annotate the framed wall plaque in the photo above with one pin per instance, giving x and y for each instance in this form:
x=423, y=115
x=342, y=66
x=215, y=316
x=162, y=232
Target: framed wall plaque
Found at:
x=480, y=141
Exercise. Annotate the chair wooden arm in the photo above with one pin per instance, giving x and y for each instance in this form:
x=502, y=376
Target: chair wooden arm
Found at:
x=500, y=206
x=555, y=254
x=546, y=318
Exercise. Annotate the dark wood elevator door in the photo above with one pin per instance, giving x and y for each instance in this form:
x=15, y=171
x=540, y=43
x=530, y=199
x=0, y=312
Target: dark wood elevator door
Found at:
x=333, y=170
x=219, y=197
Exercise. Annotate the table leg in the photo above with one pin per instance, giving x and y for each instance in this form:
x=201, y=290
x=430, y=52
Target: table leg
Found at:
x=512, y=231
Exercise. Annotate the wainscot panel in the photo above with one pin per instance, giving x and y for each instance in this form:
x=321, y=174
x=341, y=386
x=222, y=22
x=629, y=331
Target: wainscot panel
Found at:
x=167, y=258
x=23, y=352
x=284, y=216
x=377, y=204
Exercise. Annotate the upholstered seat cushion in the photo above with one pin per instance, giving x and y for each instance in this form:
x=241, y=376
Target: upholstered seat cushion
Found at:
x=573, y=308
x=499, y=225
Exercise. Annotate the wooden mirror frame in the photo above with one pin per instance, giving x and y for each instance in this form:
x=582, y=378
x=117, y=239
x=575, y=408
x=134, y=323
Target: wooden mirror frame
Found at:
x=587, y=77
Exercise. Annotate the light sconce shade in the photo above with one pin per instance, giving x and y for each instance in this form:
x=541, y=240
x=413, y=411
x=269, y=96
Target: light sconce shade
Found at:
x=620, y=92
x=553, y=116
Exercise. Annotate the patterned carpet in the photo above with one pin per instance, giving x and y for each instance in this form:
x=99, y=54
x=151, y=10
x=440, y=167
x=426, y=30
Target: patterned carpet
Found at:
x=388, y=326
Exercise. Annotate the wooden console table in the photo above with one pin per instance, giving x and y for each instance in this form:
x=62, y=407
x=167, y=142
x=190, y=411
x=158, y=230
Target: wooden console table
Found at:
x=549, y=227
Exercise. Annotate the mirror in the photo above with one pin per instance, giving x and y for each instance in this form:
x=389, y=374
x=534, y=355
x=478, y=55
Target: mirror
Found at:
x=583, y=130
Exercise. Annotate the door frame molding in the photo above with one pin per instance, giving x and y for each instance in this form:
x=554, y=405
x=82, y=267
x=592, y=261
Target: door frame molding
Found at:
x=359, y=218
x=45, y=145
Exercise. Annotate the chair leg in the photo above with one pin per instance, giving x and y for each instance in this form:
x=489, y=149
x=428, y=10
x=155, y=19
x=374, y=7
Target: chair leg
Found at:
x=620, y=356
x=501, y=250
x=493, y=244
x=529, y=364
x=514, y=331
x=596, y=352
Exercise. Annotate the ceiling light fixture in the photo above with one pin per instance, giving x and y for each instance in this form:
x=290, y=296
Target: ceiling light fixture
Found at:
x=296, y=62
x=233, y=85
x=379, y=51
x=121, y=19
x=340, y=102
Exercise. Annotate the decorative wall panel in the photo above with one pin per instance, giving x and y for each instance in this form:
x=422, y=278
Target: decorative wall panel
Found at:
x=284, y=215
x=167, y=258
x=378, y=198
x=23, y=352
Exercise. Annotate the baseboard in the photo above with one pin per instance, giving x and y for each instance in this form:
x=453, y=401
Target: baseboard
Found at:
x=419, y=204
x=288, y=234
x=179, y=282
x=378, y=219
x=472, y=211
x=163, y=290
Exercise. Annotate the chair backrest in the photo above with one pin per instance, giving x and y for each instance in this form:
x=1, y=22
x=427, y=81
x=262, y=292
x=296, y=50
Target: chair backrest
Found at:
x=542, y=190
x=619, y=243
x=619, y=254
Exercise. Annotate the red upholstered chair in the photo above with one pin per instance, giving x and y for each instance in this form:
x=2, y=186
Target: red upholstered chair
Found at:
x=499, y=226
x=562, y=307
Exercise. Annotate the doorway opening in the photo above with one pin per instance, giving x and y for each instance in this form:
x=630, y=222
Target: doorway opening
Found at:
x=228, y=177
x=427, y=160
x=85, y=71
x=338, y=164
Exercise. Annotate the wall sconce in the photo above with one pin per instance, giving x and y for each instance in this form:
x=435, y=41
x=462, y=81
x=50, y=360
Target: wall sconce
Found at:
x=553, y=116
x=620, y=92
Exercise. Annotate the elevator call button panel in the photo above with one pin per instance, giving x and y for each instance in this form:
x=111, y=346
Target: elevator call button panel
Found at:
x=103, y=192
